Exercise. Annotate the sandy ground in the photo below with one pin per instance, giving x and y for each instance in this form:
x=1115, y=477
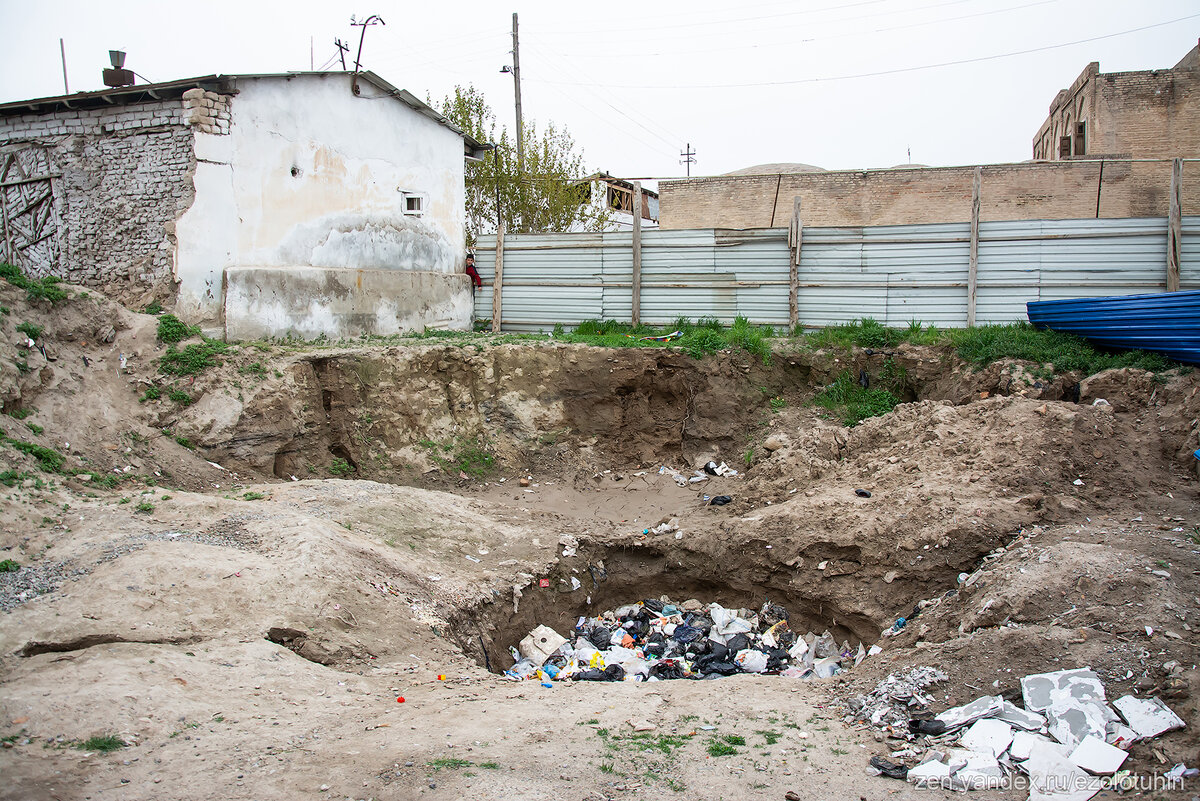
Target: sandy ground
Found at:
x=247, y=635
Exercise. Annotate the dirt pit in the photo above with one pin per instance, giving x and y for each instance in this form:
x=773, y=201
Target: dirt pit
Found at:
x=234, y=591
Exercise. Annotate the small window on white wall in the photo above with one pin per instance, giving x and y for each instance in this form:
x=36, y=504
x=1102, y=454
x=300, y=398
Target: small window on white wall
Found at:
x=414, y=203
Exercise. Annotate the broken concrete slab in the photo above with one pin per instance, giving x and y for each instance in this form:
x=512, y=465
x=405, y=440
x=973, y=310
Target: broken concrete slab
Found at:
x=1052, y=777
x=932, y=774
x=1020, y=718
x=1024, y=744
x=1098, y=757
x=1071, y=721
x=1040, y=691
x=1149, y=717
x=988, y=735
x=975, y=770
x=959, y=716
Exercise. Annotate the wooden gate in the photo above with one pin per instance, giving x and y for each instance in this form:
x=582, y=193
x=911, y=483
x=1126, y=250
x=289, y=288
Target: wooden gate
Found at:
x=28, y=211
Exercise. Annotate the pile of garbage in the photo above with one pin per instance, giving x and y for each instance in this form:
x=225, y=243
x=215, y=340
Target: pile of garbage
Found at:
x=653, y=640
x=1068, y=740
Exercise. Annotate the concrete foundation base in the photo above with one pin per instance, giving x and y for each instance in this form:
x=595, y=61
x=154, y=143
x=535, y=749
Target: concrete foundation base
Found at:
x=310, y=301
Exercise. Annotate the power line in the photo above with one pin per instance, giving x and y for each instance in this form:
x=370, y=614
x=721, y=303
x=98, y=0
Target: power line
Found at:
x=597, y=95
x=642, y=27
x=811, y=39
x=882, y=72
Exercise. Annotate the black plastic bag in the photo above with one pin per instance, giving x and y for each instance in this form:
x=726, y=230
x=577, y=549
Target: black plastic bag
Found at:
x=719, y=500
x=653, y=605
x=667, y=669
x=600, y=637
x=738, y=642
x=686, y=634
x=591, y=674
x=614, y=673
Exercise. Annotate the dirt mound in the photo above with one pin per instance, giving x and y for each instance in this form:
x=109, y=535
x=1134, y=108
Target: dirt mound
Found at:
x=262, y=633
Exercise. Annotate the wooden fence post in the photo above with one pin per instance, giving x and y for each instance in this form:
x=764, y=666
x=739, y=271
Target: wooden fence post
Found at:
x=1174, y=229
x=795, y=240
x=636, y=299
x=498, y=281
x=973, y=266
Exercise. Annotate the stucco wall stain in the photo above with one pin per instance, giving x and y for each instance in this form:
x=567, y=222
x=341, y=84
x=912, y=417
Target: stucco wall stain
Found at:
x=358, y=241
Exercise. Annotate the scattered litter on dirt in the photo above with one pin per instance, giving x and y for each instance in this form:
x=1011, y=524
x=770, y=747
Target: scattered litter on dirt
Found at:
x=653, y=640
x=980, y=745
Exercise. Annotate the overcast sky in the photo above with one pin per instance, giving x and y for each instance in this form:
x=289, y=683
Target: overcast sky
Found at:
x=635, y=82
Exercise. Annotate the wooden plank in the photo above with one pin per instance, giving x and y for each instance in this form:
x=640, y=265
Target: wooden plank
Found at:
x=637, y=254
x=1174, y=226
x=795, y=239
x=9, y=255
x=498, y=281
x=973, y=266
x=34, y=179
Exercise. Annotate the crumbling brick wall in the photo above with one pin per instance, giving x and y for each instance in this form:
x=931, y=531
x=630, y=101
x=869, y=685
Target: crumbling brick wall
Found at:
x=126, y=177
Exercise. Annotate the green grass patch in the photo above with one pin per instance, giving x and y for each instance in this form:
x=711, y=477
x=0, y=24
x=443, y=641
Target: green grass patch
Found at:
x=153, y=308
x=180, y=397
x=853, y=402
x=9, y=478
x=36, y=289
x=717, y=748
x=22, y=413
x=490, y=765
x=30, y=330
x=472, y=456
x=340, y=468
x=449, y=763
x=144, y=506
x=985, y=344
x=185, y=442
x=771, y=737
x=253, y=496
x=9, y=566
x=104, y=743
x=151, y=394
x=1066, y=352
x=35, y=428
x=172, y=329
x=193, y=359
x=50, y=460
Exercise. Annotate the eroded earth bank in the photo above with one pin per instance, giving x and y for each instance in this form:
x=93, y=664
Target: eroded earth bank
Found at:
x=238, y=569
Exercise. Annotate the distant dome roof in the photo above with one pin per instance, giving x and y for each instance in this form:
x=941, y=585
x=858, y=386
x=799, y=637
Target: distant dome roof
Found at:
x=775, y=169
x=909, y=167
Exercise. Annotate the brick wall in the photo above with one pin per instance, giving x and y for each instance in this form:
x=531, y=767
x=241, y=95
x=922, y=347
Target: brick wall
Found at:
x=126, y=178
x=1144, y=114
x=1060, y=190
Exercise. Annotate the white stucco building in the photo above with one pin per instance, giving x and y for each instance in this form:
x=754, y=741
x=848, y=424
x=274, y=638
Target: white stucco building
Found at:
x=255, y=205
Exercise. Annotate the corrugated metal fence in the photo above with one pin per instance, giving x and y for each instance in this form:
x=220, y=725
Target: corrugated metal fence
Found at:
x=894, y=273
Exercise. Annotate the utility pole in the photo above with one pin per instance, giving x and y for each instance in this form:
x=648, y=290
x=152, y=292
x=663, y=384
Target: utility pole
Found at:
x=342, y=50
x=689, y=158
x=516, y=71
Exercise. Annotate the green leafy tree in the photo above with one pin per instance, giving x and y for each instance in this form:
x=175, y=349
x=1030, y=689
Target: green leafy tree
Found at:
x=546, y=196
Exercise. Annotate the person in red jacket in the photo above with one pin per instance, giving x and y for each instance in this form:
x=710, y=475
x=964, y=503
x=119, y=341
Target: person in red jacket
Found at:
x=476, y=281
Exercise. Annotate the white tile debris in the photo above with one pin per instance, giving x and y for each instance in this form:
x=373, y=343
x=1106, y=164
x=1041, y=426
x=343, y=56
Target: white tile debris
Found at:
x=1148, y=717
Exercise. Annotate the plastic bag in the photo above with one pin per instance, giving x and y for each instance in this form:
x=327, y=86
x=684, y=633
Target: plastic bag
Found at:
x=751, y=660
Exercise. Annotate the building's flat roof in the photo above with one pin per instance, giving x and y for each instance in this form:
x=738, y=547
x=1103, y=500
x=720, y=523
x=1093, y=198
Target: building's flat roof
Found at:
x=221, y=84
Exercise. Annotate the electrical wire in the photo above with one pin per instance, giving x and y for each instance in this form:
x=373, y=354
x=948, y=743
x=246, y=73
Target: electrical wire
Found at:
x=812, y=39
x=879, y=73
x=672, y=144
